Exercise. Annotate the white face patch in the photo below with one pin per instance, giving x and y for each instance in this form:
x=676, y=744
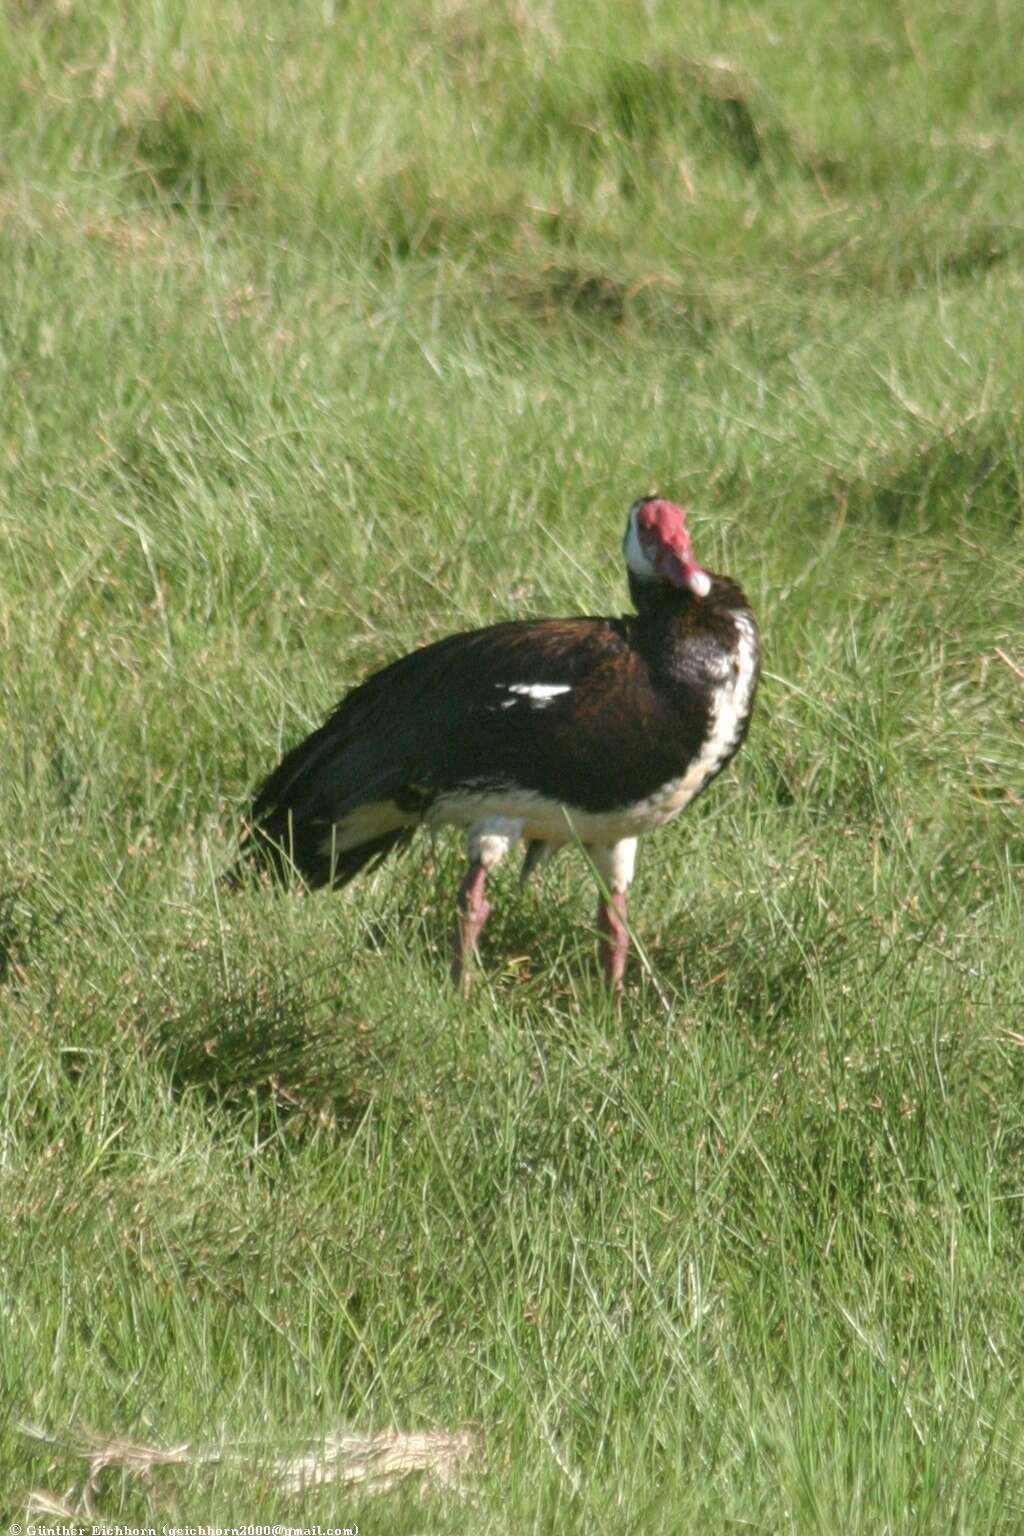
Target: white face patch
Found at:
x=537, y=694
x=634, y=556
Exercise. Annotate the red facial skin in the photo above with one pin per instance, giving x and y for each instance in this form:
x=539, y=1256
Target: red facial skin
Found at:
x=665, y=540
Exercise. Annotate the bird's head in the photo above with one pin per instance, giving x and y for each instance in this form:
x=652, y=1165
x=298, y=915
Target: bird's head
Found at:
x=657, y=547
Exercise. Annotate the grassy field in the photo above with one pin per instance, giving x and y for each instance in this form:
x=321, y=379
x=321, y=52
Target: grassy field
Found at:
x=328, y=329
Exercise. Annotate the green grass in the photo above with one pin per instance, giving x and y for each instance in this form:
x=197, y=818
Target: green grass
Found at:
x=326, y=330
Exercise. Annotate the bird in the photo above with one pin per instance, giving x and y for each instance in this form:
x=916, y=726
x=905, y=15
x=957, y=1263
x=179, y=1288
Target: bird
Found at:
x=545, y=732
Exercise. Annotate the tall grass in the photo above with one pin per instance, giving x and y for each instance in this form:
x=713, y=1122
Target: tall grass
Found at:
x=326, y=331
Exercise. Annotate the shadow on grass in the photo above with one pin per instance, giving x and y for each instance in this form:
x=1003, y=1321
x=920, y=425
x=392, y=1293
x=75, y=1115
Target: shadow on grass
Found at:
x=767, y=968
x=19, y=929
x=291, y=1046
x=183, y=151
x=970, y=476
x=586, y=298
x=642, y=104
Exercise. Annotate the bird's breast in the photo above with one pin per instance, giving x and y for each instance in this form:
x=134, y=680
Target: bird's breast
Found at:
x=728, y=681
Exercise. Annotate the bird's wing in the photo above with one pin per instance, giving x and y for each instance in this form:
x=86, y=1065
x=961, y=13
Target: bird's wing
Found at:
x=465, y=707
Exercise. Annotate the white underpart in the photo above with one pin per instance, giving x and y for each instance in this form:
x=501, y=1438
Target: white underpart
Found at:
x=488, y=841
x=538, y=694
x=366, y=822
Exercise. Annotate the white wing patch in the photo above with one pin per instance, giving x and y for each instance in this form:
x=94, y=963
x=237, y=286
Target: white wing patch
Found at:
x=539, y=695
x=542, y=692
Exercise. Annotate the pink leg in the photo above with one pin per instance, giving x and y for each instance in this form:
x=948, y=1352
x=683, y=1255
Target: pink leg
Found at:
x=614, y=942
x=474, y=911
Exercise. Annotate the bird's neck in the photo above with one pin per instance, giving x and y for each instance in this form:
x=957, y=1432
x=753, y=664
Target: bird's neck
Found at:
x=678, y=632
x=656, y=602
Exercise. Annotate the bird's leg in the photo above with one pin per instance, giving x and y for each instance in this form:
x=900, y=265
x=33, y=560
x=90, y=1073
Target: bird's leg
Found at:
x=486, y=846
x=474, y=911
x=614, y=941
x=615, y=866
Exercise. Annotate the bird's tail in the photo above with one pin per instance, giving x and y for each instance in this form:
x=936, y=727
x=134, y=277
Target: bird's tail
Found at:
x=293, y=827
x=300, y=852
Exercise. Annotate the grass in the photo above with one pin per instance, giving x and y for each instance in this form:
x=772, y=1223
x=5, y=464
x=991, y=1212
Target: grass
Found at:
x=329, y=330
